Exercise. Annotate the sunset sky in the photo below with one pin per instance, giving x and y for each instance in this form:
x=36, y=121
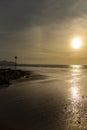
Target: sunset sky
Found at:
x=41, y=31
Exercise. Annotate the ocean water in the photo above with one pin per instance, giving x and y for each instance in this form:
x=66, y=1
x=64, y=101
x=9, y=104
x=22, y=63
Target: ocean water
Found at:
x=58, y=102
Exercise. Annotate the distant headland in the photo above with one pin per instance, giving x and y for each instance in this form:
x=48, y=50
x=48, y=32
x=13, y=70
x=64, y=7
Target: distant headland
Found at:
x=4, y=62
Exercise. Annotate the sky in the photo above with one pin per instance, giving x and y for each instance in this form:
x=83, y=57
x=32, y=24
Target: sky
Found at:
x=40, y=31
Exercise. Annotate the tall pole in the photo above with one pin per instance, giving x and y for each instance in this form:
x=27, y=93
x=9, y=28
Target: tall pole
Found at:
x=15, y=62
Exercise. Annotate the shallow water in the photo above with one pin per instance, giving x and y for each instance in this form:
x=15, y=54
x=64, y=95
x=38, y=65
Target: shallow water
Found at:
x=56, y=103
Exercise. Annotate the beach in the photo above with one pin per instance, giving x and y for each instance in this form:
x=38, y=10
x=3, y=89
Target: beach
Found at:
x=57, y=102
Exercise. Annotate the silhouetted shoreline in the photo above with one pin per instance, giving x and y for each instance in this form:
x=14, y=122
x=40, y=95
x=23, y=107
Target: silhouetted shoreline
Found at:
x=8, y=76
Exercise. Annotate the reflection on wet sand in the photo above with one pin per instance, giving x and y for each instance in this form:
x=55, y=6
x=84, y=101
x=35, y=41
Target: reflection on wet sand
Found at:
x=78, y=120
x=53, y=104
x=75, y=93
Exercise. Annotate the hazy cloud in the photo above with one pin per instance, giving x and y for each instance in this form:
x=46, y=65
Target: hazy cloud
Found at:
x=40, y=29
x=19, y=14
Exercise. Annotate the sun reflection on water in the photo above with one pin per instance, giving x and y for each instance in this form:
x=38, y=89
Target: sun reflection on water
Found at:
x=75, y=72
x=78, y=100
x=76, y=66
x=75, y=92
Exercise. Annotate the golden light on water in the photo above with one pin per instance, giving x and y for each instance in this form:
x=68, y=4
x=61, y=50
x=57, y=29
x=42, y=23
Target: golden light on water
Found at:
x=75, y=92
x=76, y=43
x=75, y=72
x=76, y=67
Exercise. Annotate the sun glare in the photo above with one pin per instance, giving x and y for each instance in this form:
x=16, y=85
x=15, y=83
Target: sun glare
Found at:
x=76, y=43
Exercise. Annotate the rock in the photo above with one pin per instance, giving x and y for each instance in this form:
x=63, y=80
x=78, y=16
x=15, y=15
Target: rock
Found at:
x=4, y=80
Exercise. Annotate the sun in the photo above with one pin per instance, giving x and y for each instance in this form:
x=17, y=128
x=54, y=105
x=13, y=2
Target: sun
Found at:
x=76, y=43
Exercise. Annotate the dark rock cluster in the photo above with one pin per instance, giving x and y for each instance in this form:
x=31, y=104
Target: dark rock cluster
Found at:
x=6, y=75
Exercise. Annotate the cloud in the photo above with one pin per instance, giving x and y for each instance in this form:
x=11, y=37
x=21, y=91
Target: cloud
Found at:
x=18, y=14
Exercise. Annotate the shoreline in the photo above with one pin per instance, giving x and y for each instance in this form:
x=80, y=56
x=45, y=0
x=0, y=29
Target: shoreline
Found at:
x=10, y=76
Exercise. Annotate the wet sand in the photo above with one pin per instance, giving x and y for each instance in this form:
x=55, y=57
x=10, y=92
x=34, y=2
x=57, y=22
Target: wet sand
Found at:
x=58, y=103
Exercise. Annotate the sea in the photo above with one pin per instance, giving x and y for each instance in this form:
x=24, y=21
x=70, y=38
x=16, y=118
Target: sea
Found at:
x=57, y=102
